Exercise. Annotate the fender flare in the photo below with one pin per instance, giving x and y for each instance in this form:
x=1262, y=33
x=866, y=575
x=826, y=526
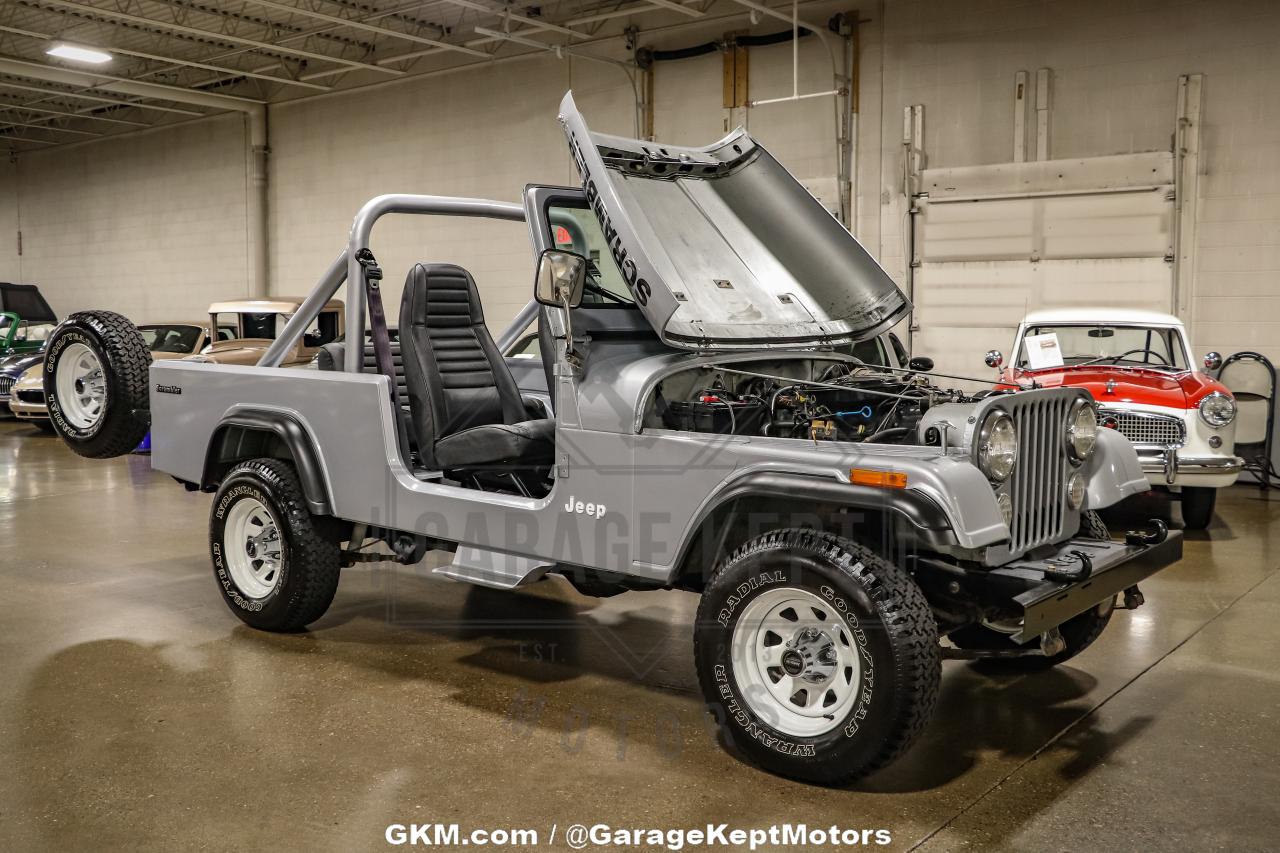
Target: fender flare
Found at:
x=291, y=432
x=918, y=509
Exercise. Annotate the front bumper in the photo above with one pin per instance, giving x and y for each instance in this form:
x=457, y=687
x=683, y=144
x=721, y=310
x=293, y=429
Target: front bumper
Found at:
x=1047, y=602
x=1165, y=465
x=28, y=411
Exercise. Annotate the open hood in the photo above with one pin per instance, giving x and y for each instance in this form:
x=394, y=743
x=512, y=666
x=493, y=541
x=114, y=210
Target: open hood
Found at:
x=724, y=249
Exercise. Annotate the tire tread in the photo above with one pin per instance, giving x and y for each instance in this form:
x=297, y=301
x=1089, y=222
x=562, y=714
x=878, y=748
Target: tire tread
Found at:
x=126, y=356
x=314, y=560
x=906, y=615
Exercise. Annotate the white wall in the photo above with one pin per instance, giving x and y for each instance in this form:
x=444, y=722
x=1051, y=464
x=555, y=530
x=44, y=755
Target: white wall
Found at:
x=153, y=224
x=481, y=134
x=10, y=270
x=1115, y=69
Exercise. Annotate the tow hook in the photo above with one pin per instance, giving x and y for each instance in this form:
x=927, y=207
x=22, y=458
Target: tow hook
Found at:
x=1051, y=643
x=1073, y=575
x=1133, y=598
x=1158, y=534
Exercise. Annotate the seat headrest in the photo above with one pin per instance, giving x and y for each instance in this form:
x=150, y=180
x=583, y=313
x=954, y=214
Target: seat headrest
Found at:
x=440, y=295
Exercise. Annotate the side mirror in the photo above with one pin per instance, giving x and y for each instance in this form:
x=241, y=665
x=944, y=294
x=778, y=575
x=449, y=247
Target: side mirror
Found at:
x=994, y=359
x=561, y=278
x=1212, y=361
x=921, y=363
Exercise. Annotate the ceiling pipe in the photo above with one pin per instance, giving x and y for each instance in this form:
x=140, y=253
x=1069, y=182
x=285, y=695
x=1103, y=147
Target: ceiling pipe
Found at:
x=255, y=113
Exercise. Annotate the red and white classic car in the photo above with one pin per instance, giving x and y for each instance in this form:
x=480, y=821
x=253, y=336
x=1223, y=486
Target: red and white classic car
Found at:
x=1139, y=368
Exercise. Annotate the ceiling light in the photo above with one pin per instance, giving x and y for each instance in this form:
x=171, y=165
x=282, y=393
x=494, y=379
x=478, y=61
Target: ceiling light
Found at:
x=79, y=54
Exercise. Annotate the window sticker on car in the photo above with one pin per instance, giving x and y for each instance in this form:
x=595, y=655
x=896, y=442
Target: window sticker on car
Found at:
x=1043, y=351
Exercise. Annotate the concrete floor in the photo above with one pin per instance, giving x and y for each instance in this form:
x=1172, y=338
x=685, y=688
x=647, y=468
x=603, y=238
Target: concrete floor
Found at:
x=138, y=713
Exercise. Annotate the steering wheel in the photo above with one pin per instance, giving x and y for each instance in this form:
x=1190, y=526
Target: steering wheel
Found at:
x=1114, y=358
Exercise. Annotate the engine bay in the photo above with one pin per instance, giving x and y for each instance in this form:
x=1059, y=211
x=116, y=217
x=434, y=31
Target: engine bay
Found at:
x=813, y=398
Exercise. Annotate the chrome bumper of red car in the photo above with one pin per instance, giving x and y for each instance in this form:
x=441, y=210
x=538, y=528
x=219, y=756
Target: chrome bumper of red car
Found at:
x=1168, y=462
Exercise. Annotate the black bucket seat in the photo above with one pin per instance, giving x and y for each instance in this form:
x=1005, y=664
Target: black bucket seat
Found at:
x=466, y=413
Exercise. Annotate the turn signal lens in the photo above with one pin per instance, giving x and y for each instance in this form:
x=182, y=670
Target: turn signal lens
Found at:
x=881, y=479
x=1075, y=490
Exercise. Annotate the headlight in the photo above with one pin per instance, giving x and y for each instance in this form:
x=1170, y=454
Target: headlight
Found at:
x=1082, y=431
x=1217, y=409
x=997, y=446
x=1075, y=490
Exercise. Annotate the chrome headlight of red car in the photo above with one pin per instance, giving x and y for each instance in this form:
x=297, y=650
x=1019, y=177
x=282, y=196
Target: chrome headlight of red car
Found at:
x=1217, y=409
x=1082, y=431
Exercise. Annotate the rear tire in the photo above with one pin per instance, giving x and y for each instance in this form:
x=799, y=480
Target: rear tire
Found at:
x=853, y=637
x=275, y=569
x=1078, y=632
x=95, y=383
x=1197, y=507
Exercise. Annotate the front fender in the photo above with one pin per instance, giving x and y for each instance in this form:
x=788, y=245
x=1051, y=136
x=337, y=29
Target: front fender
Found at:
x=1113, y=472
x=947, y=498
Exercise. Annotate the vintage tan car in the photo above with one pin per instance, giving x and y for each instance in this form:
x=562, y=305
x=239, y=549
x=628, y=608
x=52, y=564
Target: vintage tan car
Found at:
x=182, y=338
x=257, y=322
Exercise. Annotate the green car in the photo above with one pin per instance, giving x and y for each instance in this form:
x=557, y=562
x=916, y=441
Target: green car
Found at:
x=25, y=319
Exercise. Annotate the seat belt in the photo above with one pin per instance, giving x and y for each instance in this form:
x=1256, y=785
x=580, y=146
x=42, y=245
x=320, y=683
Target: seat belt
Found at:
x=378, y=323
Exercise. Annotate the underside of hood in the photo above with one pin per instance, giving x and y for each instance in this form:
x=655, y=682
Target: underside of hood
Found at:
x=724, y=249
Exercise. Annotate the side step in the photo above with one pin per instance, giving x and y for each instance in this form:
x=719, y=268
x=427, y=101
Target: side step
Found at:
x=493, y=568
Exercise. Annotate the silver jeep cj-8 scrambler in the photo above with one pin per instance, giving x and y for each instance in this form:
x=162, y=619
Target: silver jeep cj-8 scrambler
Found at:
x=706, y=432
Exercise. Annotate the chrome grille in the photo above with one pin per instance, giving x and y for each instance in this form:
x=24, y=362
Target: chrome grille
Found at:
x=6, y=385
x=1037, y=487
x=1143, y=428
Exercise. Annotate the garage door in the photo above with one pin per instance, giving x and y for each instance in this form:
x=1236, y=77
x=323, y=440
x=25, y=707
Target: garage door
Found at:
x=993, y=242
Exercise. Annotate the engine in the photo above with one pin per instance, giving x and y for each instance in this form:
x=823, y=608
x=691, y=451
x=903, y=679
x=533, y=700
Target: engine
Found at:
x=809, y=399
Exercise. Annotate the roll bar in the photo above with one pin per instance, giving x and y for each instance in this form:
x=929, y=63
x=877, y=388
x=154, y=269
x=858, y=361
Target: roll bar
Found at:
x=345, y=268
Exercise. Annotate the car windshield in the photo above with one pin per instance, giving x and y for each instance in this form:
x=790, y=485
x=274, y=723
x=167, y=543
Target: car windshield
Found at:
x=170, y=338
x=576, y=229
x=1131, y=346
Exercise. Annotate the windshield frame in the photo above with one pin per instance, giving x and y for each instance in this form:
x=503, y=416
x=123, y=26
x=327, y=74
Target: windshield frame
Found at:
x=602, y=262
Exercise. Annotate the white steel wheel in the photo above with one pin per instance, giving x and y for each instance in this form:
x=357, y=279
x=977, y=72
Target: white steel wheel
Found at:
x=253, y=549
x=795, y=662
x=82, y=388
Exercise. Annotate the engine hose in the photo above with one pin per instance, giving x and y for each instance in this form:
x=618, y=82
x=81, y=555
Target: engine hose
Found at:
x=891, y=432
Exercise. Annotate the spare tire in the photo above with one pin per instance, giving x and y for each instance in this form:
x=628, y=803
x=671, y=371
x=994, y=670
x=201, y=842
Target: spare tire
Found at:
x=95, y=382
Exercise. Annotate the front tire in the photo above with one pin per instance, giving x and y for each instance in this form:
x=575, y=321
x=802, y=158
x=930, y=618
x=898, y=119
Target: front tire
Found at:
x=95, y=383
x=274, y=568
x=819, y=656
x=1198, y=503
